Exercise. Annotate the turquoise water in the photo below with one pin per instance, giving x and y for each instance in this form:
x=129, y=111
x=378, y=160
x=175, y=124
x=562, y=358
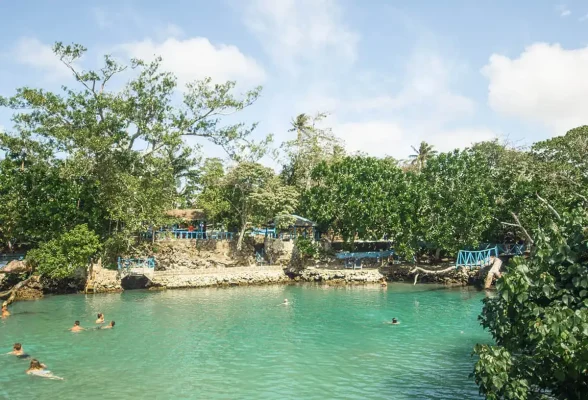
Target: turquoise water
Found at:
x=238, y=343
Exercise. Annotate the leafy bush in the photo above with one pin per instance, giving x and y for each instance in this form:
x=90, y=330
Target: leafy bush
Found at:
x=539, y=320
x=60, y=257
x=307, y=248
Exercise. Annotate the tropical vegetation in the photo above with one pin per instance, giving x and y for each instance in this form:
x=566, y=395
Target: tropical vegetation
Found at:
x=84, y=171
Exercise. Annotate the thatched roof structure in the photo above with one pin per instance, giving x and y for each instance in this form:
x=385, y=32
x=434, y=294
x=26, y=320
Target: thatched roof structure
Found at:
x=187, y=214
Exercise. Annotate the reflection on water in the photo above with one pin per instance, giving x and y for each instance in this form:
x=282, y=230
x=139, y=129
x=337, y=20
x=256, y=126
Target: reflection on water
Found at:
x=220, y=343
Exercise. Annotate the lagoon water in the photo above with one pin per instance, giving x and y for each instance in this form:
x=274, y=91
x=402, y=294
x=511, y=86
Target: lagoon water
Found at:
x=238, y=343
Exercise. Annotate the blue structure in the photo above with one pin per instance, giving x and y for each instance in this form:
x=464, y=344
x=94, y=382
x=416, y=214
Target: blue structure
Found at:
x=506, y=249
x=368, y=254
x=128, y=263
x=479, y=258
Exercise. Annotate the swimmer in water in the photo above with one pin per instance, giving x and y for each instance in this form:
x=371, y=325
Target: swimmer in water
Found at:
x=76, y=327
x=109, y=326
x=394, y=321
x=38, y=369
x=285, y=303
x=18, y=351
x=383, y=283
x=5, y=312
x=100, y=319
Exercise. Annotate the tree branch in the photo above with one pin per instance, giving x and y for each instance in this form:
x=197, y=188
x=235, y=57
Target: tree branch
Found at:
x=531, y=241
x=549, y=206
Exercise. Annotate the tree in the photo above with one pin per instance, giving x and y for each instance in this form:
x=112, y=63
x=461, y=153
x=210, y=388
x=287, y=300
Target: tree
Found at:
x=422, y=155
x=356, y=197
x=114, y=159
x=539, y=318
x=61, y=257
x=458, y=200
x=311, y=146
x=255, y=195
x=210, y=192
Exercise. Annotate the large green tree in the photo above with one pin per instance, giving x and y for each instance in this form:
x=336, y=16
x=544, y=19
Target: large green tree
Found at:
x=112, y=157
x=312, y=145
x=254, y=194
x=539, y=318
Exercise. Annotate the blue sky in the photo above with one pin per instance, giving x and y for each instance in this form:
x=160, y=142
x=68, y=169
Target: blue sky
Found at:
x=390, y=73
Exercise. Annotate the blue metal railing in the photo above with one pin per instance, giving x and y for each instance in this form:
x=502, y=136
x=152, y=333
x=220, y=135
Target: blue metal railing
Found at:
x=506, y=249
x=367, y=254
x=128, y=263
x=479, y=258
x=186, y=234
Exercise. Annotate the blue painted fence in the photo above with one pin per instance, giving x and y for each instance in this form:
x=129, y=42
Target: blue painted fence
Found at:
x=479, y=258
x=128, y=263
x=368, y=254
x=506, y=249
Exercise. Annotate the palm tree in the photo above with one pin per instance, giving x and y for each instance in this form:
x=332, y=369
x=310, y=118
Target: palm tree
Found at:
x=423, y=153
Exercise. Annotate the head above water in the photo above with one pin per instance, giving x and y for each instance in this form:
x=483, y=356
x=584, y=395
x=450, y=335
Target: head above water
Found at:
x=77, y=323
x=100, y=315
x=112, y=323
x=17, y=347
x=394, y=320
x=35, y=364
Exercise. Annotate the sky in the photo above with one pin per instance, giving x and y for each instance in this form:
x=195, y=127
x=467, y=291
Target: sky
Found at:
x=389, y=73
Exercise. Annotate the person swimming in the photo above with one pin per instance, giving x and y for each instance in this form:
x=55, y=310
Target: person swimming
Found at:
x=38, y=369
x=76, y=327
x=100, y=319
x=383, y=282
x=5, y=312
x=394, y=321
x=18, y=351
x=285, y=303
x=109, y=326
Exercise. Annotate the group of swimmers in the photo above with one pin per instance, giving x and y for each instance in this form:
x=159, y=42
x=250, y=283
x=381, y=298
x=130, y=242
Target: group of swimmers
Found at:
x=36, y=367
x=77, y=327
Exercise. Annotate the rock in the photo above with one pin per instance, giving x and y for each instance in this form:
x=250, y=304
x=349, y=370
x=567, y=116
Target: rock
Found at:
x=16, y=267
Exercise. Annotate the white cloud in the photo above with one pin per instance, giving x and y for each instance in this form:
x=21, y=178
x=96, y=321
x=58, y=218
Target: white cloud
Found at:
x=33, y=53
x=302, y=30
x=378, y=138
x=563, y=10
x=462, y=138
x=196, y=58
x=545, y=84
x=426, y=107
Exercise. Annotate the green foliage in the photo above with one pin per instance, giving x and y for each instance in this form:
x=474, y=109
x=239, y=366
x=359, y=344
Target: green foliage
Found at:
x=111, y=159
x=539, y=319
x=457, y=200
x=61, y=257
x=356, y=197
x=307, y=248
x=311, y=146
x=249, y=194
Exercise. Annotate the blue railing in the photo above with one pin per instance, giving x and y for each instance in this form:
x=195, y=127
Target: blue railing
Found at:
x=128, y=263
x=263, y=232
x=368, y=254
x=479, y=258
x=506, y=249
x=186, y=234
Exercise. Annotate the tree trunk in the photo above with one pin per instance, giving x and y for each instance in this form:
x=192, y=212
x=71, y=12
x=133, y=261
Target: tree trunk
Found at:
x=241, y=235
x=493, y=272
x=10, y=295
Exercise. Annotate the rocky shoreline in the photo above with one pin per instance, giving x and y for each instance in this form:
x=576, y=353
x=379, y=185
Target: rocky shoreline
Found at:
x=107, y=281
